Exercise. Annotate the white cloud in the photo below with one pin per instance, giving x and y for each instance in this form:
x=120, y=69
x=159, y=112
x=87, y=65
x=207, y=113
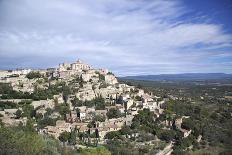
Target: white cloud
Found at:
x=127, y=36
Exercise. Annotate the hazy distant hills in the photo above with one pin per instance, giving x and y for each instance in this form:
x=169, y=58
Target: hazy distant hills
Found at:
x=186, y=76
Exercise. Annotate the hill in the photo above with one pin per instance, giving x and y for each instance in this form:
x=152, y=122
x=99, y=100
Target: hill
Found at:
x=186, y=76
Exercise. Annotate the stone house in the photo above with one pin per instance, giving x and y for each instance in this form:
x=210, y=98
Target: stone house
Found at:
x=78, y=65
x=43, y=104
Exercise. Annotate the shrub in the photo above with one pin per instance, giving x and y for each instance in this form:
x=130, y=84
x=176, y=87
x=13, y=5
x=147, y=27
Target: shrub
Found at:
x=33, y=75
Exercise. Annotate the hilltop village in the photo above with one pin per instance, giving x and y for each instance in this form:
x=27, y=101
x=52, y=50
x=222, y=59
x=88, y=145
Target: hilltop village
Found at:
x=76, y=98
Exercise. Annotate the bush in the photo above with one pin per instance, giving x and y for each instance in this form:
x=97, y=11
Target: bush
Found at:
x=99, y=118
x=18, y=141
x=112, y=135
x=113, y=113
x=96, y=151
x=46, y=121
x=7, y=105
x=18, y=114
x=33, y=75
x=167, y=135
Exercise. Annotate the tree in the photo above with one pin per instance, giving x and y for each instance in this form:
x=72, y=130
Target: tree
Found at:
x=18, y=114
x=17, y=141
x=33, y=75
x=76, y=102
x=46, y=121
x=20, y=142
x=138, y=98
x=97, y=133
x=167, y=135
x=28, y=111
x=72, y=137
x=30, y=125
x=99, y=118
x=78, y=112
x=113, y=113
x=64, y=136
x=91, y=124
x=187, y=124
x=81, y=136
x=5, y=88
x=49, y=111
x=7, y=105
x=112, y=135
x=99, y=103
x=145, y=120
x=101, y=77
x=125, y=130
x=120, y=100
x=66, y=92
x=63, y=110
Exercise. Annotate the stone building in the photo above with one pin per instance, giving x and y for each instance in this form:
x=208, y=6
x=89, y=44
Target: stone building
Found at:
x=79, y=66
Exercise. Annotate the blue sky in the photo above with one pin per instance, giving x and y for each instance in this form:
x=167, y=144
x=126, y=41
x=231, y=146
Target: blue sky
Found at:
x=130, y=37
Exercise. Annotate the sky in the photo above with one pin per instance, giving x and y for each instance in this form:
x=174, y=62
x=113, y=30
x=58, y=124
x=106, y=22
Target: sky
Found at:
x=129, y=37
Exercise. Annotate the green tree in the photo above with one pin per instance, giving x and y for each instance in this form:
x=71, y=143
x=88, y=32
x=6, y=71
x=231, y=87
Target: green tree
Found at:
x=19, y=142
x=76, y=102
x=66, y=92
x=18, y=114
x=187, y=124
x=72, y=137
x=113, y=113
x=28, y=111
x=167, y=135
x=112, y=135
x=49, y=111
x=46, y=121
x=64, y=136
x=30, y=125
x=63, y=110
x=99, y=118
x=100, y=105
x=144, y=120
x=33, y=75
x=125, y=130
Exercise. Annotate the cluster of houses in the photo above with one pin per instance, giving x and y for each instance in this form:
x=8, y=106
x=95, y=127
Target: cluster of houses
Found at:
x=90, y=83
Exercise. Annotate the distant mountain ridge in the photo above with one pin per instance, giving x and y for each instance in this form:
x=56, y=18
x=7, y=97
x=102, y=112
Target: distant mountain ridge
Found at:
x=184, y=76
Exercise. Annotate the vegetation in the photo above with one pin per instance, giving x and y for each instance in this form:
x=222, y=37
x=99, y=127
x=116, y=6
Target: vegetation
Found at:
x=64, y=136
x=63, y=109
x=209, y=115
x=22, y=141
x=7, y=105
x=42, y=122
x=113, y=113
x=39, y=94
x=99, y=118
x=96, y=151
x=33, y=75
x=98, y=102
x=18, y=114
